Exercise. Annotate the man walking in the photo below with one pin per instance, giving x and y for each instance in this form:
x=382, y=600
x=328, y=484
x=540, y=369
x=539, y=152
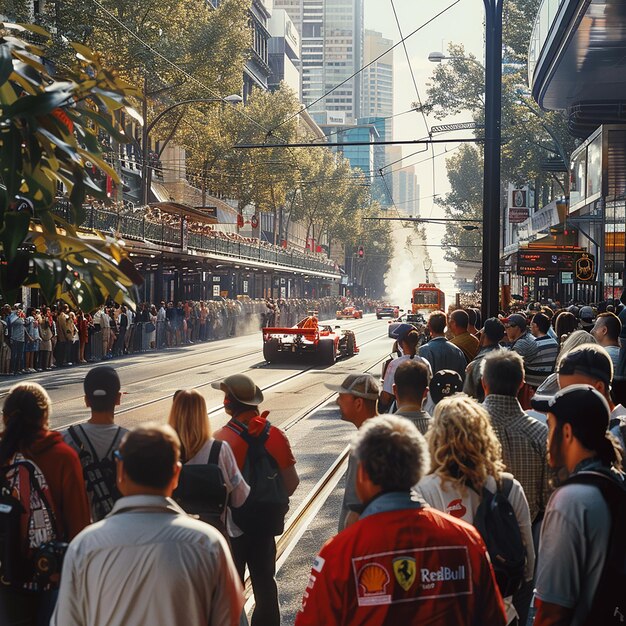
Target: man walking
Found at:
x=519, y=337
x=357, y=398
x=458, y=323
x=522, y=437
x=606, y=332
x=257, y=549
x=541, y=365
x=410, y=388
x=491, y=335
x=439, y=352
x=96, y=440
x=577, y=525
x=401, y=562
x=148, y=562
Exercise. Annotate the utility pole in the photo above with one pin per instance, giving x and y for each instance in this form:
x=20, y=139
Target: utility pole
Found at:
x=493, y=137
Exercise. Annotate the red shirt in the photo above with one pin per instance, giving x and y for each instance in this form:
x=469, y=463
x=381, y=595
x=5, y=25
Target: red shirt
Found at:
x=63, y=472
x=277, y=444
x=403, y=567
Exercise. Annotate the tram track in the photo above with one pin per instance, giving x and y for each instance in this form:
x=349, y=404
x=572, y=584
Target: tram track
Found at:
x=127, y=410
x=297, y=523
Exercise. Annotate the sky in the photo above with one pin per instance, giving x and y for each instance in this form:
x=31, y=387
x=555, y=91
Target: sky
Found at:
x=461, y=24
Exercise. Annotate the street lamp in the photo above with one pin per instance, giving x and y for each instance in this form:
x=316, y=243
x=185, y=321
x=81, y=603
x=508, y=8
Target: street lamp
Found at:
x=145, y=183
x=428, y=263
x=438, y=57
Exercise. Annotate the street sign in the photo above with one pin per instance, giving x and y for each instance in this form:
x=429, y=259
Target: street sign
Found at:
x=446, y=128
x=517, y=215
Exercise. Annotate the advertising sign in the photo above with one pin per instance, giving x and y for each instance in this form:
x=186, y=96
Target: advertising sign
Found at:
x=585, y=267
x=517, y=215
x=551, y=263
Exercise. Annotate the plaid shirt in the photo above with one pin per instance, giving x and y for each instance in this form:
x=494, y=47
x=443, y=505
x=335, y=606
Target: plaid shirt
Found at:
x=523, y=441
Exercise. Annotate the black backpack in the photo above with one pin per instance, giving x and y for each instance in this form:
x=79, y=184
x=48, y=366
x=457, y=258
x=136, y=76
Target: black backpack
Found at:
x=496, y=522
x=609, y=602
x=265, y=508
x=100, y=474
x=27, y=524
x=202, y=490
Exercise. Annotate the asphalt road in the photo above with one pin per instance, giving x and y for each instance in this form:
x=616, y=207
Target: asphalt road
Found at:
x=294, y=394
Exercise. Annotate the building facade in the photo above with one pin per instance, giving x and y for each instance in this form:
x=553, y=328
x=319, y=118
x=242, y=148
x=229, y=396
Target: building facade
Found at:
x=284, y=52
x=331, y=33
x=576, y=64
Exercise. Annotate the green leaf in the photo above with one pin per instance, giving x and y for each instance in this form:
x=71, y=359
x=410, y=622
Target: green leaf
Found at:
x=61, y=145
x=33, y=28
x=103, y=121
x=41, y=104
x=14, y=232
x=6, y=64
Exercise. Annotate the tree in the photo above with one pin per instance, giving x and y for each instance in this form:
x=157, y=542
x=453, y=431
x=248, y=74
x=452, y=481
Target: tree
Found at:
x=50, y=126
x=465, y=201
x=529, y=135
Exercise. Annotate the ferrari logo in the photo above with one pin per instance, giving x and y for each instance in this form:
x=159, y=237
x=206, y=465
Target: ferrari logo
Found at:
x=405, y=571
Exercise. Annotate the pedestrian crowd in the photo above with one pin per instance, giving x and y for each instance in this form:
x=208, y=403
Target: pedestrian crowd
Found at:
x=35, y=339
x=523, y=410
x=162, y=521
x=459, y=507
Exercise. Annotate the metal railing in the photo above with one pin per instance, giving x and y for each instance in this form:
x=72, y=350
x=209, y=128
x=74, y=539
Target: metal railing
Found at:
x=138, y=227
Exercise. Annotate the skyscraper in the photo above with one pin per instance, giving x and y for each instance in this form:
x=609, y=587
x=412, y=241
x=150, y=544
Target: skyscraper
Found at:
x=377, y=92
x=331, y=34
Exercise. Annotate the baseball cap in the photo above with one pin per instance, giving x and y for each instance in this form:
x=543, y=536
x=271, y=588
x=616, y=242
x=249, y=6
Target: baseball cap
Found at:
x=515, y=320
x=493, y=329
x=583, y=406
x=242, y=388
x=444, y=383
x=359, y=385
x=101, y=381
x=588, y=360
x=401, y=331
x=586, y=313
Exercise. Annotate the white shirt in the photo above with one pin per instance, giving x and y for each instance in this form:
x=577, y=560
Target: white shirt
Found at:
x=238, y=489
x=148, y=562
x=393, y=366
x=463, y=503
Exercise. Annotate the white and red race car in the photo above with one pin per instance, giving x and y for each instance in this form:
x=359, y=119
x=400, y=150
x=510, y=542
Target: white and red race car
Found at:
x=350, y=313
x=308, y=336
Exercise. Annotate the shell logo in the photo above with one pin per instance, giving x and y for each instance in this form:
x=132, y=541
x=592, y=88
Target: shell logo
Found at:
x=373, y=579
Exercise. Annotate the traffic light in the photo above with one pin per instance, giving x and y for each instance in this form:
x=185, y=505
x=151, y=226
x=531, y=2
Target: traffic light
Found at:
x=361, y=252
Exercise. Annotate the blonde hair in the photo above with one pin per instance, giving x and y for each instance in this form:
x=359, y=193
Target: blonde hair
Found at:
x=188, y=417
x=464, y=449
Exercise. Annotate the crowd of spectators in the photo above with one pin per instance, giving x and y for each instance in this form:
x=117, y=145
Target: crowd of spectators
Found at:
x=537, y=373
x=35, y=339
x=412, y=540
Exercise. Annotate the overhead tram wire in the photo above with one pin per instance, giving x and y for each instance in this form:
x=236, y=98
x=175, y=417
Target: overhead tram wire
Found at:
x=177, y=67
x=417, y=91
x=343, y=82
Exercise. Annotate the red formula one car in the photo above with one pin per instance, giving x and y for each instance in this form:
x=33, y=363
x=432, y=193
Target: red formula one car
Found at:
x=350, y=313
x=308, y=337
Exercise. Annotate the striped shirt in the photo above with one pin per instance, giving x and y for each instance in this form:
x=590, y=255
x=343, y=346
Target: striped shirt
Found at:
x=541, y=365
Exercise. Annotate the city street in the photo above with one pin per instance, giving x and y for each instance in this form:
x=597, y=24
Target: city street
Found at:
x=294, y=394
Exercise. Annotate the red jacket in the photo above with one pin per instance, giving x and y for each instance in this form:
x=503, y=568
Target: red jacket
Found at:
x=64, y=474
x=403, y=566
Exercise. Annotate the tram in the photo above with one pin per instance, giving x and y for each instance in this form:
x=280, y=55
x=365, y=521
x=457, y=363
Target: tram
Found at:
x=426, y=298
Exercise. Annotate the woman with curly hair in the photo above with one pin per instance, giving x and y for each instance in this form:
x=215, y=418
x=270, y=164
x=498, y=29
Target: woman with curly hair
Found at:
x=465, y=456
